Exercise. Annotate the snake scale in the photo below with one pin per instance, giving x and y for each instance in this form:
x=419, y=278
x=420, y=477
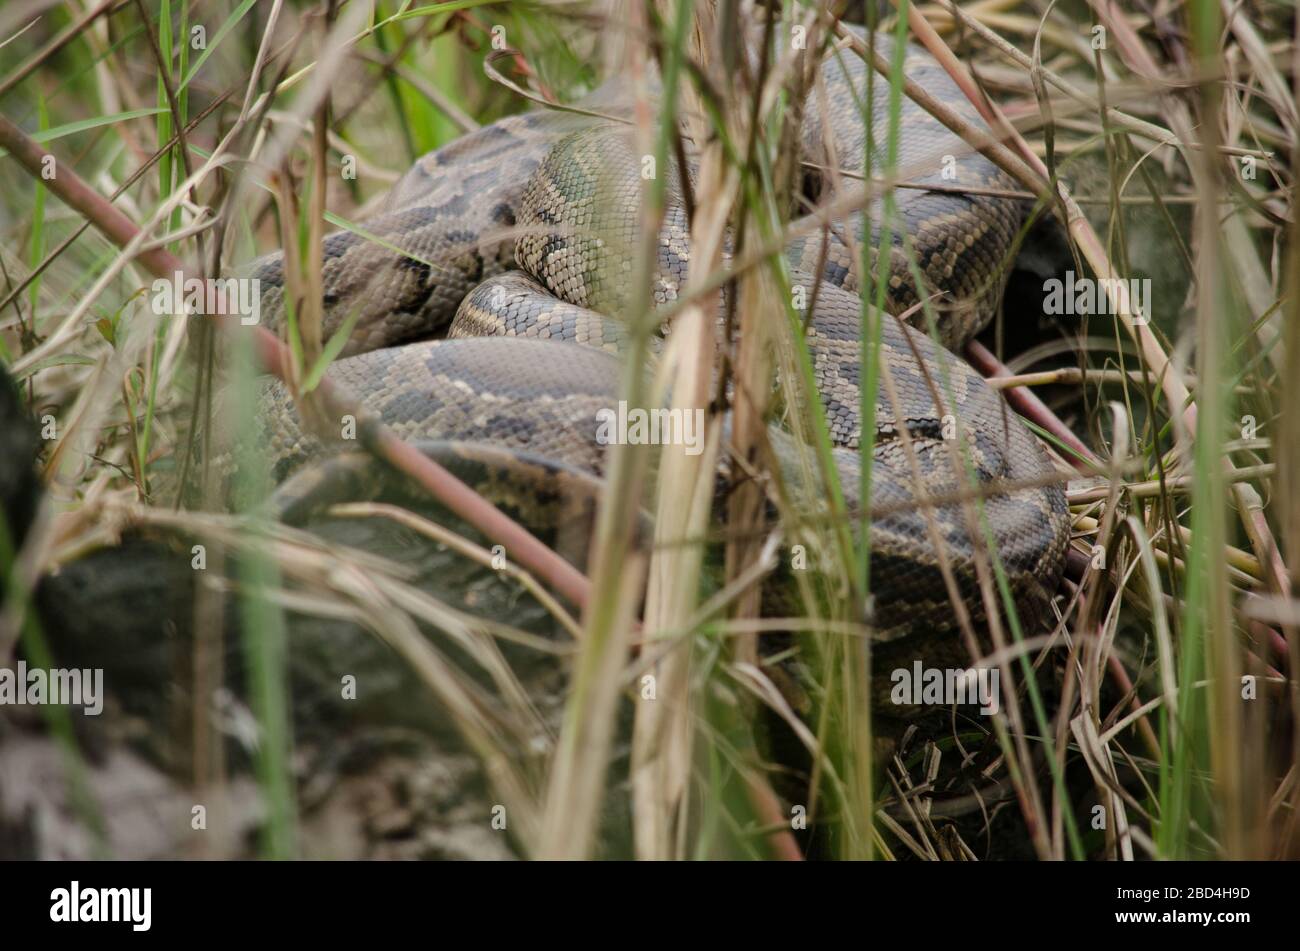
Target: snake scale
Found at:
x=518, y=240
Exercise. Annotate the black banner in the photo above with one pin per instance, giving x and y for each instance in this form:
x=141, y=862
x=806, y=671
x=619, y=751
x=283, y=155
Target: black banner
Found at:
x=334, y=900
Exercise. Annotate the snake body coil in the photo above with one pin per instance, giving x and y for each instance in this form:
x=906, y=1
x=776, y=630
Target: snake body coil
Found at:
x=525, y=229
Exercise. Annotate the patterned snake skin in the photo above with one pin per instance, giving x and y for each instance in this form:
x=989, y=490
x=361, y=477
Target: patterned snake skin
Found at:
x=523, y=231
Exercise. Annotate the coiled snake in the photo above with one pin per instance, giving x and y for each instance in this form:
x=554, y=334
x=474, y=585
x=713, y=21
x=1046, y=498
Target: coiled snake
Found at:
x=521, y=231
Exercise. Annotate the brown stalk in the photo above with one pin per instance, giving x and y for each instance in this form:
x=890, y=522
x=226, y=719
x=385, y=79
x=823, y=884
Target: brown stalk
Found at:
x=663, y=734
x=751, y=298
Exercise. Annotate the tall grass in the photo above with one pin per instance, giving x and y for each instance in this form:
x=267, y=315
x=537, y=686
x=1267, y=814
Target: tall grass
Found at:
x=1137, y=701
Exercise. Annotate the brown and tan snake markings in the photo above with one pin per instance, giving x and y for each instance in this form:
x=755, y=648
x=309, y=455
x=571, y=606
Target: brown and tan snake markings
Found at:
x=520, y=238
